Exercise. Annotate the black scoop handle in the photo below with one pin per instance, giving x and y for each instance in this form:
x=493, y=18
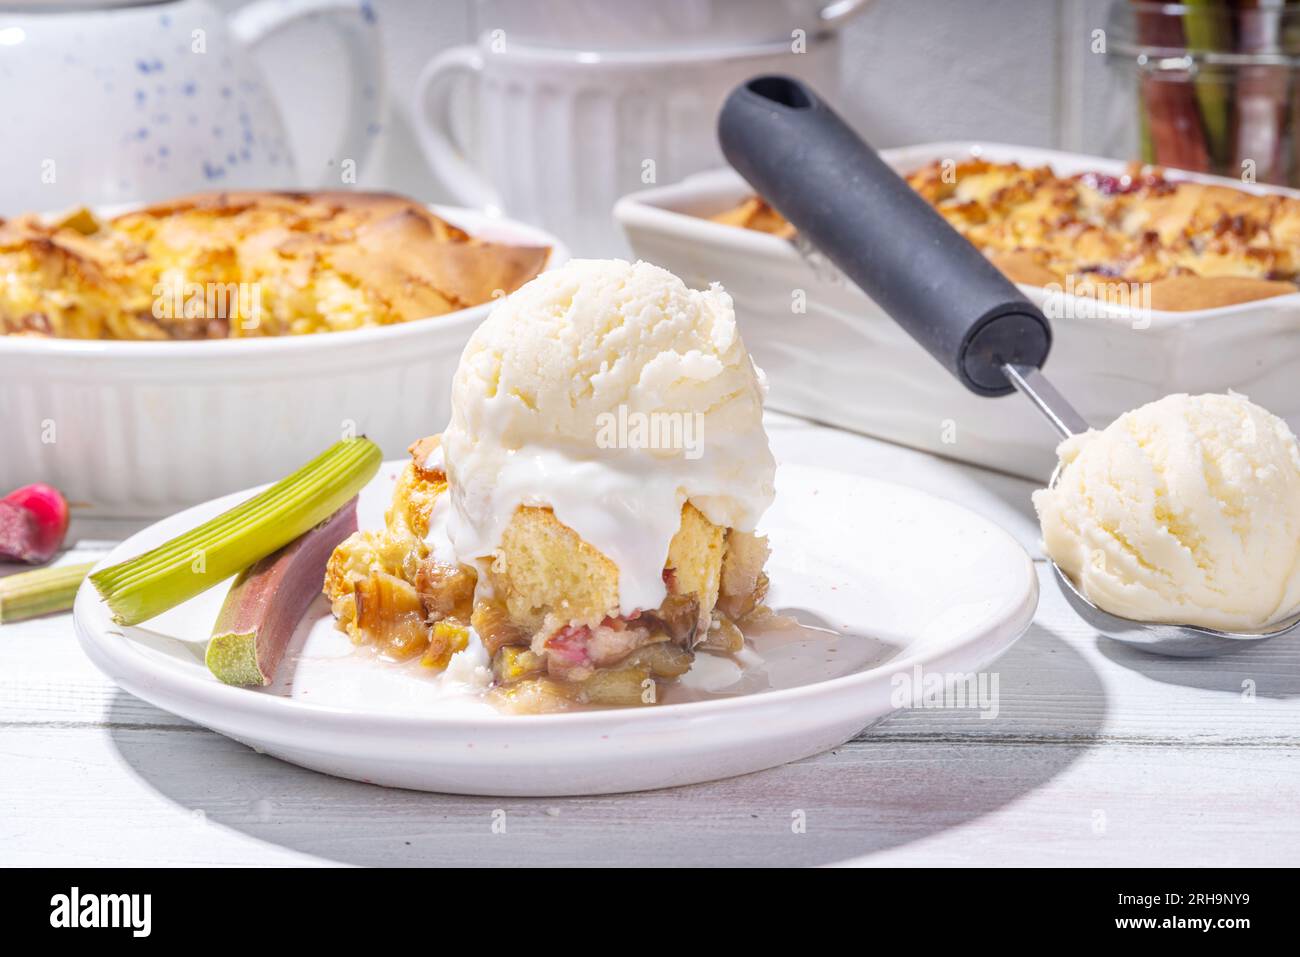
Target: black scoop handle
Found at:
x=813, y=169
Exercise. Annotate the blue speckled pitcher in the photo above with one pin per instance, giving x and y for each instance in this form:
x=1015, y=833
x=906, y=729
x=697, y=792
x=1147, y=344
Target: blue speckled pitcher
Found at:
x=111, y=101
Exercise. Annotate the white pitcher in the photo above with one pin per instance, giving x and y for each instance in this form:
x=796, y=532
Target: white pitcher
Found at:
x=122, y=100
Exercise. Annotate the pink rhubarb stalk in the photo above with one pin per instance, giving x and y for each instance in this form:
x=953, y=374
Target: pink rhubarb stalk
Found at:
x=269, y=598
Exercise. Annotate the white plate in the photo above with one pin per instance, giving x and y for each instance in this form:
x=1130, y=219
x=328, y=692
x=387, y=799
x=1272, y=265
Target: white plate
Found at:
x=898, y=578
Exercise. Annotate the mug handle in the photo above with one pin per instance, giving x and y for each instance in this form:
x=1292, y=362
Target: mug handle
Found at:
x=354, y=22
x=433, y=126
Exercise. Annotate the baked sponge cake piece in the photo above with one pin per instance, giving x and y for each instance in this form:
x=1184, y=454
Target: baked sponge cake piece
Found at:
x=545, y=573
x=549, y=614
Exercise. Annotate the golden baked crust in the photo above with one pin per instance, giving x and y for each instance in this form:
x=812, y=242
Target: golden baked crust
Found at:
x=372, y=578
x=754, y=213
x=1193, y=245
x=237, y=264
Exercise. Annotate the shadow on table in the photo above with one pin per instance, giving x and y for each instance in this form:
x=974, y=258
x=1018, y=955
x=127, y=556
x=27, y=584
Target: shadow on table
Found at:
x=1270, y=670
x=916, y=774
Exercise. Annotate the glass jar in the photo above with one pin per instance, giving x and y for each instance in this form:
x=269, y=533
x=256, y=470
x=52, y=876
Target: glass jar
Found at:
x=1217, y=84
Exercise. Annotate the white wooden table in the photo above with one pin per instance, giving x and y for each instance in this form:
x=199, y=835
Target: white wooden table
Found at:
x=1099, y=756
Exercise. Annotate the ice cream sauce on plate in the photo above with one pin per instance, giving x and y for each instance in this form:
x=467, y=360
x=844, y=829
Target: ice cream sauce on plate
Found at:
x=780, y=652
x=324, y=667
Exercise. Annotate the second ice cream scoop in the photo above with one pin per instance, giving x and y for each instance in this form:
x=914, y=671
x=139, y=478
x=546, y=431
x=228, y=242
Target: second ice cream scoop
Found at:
x=805, y=161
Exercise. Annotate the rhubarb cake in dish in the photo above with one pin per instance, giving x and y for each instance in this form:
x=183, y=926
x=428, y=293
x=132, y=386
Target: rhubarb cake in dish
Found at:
x=587, y=522
x=1197, y=245
x=244, y=264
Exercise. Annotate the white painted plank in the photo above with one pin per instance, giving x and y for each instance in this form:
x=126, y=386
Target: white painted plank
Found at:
x=167, y=797
x=1064, y=682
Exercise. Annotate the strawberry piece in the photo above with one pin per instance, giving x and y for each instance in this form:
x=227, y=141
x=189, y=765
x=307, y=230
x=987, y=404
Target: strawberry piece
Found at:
x=569, y=644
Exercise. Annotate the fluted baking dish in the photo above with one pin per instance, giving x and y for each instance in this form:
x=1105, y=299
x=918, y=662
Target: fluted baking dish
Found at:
x=143, y=429
x=831, y=354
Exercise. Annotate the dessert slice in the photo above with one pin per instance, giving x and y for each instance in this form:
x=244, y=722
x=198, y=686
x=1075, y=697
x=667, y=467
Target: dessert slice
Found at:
x=548, y=612
x=585, y=522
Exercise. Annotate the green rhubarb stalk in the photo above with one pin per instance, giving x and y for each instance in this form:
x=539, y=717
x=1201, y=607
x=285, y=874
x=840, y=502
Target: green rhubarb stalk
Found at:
x=40, y=592
x=176, y=571
x=1146, y=144
x=1204, y=23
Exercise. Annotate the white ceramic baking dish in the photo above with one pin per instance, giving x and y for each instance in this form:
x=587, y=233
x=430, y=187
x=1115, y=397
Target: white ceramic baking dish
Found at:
x=145, y=428
x=843, y=361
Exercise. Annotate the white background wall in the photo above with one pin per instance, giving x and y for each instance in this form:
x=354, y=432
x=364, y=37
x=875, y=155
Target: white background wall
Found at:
x=1017, y=71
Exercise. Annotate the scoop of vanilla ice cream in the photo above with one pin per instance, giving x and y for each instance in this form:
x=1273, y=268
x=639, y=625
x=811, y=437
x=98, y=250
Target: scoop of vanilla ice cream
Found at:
x=1185, y=510
x=612, y=393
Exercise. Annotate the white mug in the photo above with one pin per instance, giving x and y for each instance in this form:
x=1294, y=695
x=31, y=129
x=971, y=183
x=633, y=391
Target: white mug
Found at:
x=563, y=134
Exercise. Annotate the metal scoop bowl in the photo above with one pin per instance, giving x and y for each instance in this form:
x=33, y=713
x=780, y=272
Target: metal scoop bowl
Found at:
x=818, y=173
x=1175, y=640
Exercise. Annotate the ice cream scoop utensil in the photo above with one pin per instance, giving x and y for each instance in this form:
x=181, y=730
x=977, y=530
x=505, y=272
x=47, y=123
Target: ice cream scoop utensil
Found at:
x=1033, y=385
x=843, y=198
